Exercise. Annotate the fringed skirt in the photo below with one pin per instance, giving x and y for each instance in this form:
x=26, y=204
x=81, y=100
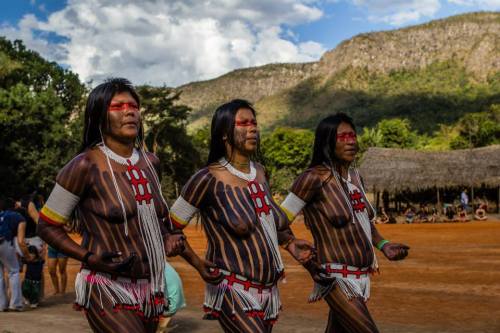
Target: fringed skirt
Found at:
x=256, y=299
x=122, y=293
x=353, y=281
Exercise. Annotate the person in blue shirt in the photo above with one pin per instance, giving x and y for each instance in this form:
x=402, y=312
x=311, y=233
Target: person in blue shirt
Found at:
x=464, y=200
x=12, y=225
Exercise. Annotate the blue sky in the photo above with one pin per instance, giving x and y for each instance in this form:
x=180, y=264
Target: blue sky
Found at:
x=174, y=42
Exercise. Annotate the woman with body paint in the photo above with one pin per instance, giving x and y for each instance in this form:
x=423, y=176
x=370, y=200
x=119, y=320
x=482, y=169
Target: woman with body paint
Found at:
x=331, y=195
x=243, y=224
x=113, y=192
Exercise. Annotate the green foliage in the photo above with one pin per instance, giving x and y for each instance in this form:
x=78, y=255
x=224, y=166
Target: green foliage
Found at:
x=371, y=137
x=29, y=68
x=478, y=129
x=35, y=139
x=396, y=133
x=391, y=133
x=165, y=132
x=442, y=138
x=201, y=140
x=38, y=107
x=438, y=94
x=286, y=153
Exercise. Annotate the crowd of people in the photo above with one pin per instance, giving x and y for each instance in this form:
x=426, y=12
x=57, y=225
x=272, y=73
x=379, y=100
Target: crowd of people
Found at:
x=449, y=213
x=22, y=250
x=111, y=194
x=459, y=211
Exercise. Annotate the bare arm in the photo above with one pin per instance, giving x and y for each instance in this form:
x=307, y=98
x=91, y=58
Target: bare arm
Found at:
x=33, y=213
x=376, y=236
x=205, y=268
x=21, y=232
x=57, y=237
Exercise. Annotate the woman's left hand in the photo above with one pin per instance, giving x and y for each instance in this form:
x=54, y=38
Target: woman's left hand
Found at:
x=302, y=250
x=395, y=251
x=174, y=244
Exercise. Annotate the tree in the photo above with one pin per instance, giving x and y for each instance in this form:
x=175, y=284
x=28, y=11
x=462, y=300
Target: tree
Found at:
x=35, y=141
x=39, y=102
x=371, y=137
x=286, y=153
x=396, y=133
x=478, y=129
x=165, y=132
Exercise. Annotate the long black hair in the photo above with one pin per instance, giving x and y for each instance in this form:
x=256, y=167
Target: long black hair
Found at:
x=96, y=110
x=223, y=126
x=325, y=139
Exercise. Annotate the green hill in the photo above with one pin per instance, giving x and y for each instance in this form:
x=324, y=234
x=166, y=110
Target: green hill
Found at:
x=432, y=74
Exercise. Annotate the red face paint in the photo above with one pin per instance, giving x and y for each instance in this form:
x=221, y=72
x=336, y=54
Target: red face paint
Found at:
x=123, y=106
x=246, y=123
x=347, y=137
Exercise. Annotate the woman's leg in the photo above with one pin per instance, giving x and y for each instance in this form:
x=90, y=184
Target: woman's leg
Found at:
x=348, y=316
x=52, y=265
x=239, y=321
x=122, y=321
x=62, y=262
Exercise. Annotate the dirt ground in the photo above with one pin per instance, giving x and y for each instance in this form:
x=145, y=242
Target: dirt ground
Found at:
x=450, y=283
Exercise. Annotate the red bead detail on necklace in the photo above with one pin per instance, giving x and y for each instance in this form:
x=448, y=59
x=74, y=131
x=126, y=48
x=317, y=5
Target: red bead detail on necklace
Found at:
x=259, y=198
x=139, y=183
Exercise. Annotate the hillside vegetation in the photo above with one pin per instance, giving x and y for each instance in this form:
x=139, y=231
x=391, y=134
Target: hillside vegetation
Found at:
x=431, y=74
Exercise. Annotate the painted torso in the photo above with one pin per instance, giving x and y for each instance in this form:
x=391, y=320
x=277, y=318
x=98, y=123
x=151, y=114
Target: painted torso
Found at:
x=236, y=239
x=330, y=220
x=99, y=209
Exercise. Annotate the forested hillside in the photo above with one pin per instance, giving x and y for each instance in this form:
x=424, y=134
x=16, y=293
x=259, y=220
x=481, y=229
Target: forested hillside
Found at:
x=430, y=74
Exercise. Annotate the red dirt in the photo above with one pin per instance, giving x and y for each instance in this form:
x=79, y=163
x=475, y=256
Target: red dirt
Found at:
x=449, y=283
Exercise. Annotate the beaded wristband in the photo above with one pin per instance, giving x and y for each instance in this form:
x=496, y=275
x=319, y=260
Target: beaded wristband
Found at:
x=381, y=244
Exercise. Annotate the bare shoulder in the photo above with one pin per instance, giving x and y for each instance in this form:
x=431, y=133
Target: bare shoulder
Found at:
x=321, y=172
x=81, y=163
x=74, y=176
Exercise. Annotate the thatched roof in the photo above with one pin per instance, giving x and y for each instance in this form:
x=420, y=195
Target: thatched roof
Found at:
x=400, y=169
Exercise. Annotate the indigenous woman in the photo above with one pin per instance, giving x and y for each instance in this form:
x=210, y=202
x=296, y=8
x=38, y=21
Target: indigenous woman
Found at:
x=243, y=224
x=112, y=189
x=333, y=200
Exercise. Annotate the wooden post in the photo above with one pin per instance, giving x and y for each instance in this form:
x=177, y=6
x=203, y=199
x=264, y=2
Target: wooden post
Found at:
x=397, y=202
x=471, y=202
x=498, y=201
x=438, y=208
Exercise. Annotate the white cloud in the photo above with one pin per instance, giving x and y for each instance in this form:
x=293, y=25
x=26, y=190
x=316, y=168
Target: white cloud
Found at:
x=481, y=4
x=399, y=12
x=170, y=41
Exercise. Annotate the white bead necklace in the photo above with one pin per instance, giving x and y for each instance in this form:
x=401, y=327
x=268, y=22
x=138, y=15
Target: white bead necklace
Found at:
x=134, y=158
x=245, y=176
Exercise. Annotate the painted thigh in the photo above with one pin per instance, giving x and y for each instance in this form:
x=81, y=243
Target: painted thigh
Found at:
x=348, y=316
x=239, y=321
x=122, y=321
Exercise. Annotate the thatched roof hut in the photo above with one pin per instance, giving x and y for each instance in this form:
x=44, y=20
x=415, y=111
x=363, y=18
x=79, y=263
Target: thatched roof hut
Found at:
x=401, y=169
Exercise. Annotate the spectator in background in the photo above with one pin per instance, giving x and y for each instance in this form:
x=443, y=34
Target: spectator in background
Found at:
x=409, y=214
x=12, y=225
x=449, y=212
x=32, y=284
x=27, y=208
x=462, y=215
x=480, y=213
x=434, y=215
x=464, y=200
x=382, y=217
x=57, y=261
